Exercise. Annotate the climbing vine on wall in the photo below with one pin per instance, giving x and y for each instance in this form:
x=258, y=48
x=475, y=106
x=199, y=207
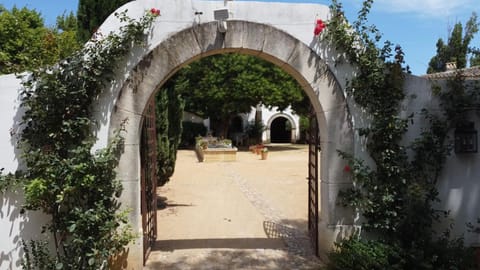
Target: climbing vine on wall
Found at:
x=76, y=188
x=396, y=195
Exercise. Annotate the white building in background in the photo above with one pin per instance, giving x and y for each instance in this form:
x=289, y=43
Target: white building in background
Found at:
x=279, y=126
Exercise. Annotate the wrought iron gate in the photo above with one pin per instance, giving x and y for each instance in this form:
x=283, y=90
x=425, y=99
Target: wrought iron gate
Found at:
x=313, y=148
x=148, y=155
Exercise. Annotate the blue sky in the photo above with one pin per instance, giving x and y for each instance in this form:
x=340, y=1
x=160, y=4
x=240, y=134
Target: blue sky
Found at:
x=414, y=24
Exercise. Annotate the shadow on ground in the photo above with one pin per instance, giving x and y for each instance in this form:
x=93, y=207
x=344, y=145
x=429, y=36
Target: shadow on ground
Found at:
x=163, y=203
x=230, y=243
x=285, y=147
x=276, y=147
x=237, y=259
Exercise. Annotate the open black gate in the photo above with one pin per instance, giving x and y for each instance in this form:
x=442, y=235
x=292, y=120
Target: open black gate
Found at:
x=148, y=155
x=313, y=148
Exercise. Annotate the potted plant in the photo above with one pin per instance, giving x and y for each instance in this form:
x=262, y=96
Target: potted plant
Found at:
x=258, y=148
x=264, y=153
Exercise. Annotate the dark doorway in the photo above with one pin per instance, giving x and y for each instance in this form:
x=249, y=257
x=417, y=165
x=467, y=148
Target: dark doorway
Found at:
x=236, y=125
x=281, y=130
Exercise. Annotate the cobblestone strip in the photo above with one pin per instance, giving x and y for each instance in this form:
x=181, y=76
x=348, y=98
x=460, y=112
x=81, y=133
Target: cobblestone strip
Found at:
x=297, y=242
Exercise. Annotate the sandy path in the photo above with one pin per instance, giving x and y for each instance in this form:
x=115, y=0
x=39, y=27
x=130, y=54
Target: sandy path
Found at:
x=248, y=214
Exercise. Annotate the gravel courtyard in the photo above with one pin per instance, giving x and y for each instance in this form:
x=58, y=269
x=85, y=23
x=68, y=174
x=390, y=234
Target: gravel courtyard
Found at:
x=247, y=214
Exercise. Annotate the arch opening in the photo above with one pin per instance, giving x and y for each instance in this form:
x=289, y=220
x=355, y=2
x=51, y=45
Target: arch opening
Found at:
x=296, y=58
x=292, y=208
x=281, y=130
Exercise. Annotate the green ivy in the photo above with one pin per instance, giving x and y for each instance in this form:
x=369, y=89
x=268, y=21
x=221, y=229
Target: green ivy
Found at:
x=396, y=195
x=378, y=88
x=78, y=189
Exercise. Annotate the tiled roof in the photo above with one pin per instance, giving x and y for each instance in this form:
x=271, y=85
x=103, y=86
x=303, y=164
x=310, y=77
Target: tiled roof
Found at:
x=472, y=73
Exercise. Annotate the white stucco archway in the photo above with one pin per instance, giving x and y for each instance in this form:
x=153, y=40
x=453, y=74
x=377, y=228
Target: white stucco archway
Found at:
x=170, y=49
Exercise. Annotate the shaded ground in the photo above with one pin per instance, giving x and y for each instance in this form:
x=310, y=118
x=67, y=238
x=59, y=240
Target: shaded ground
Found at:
x=248, y=214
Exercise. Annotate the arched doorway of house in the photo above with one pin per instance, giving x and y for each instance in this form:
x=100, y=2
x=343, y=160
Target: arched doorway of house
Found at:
x=172, y=50
x=281, y=130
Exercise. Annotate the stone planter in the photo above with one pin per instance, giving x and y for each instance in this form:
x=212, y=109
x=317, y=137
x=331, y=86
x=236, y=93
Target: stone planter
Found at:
x=219, y=154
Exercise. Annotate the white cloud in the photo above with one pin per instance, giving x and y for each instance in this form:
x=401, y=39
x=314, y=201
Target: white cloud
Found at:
x=428, y=8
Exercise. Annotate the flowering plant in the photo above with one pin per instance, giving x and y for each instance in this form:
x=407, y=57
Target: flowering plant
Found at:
x=155, y=12
x=319, y=27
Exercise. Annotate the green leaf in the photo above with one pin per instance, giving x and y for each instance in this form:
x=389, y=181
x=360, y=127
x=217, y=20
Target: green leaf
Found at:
x=72, y=227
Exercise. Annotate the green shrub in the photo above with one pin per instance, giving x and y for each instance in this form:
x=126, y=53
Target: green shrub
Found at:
x=169, y=114
x=441, y=254
x=254, y=130
x=358, y=254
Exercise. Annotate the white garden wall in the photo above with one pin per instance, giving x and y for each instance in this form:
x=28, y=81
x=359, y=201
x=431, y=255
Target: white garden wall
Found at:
x=14, y=226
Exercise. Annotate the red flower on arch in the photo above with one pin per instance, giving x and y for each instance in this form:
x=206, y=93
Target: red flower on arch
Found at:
x=155, y=12
x=319, y=26
x=347, y=168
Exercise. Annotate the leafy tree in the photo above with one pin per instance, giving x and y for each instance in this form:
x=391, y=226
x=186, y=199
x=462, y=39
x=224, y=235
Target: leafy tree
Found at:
x=222, y=86
x=24, y=41
x=92, y=13
x=66, y=34
x=67, y=22
x=457, y=48
x=475, y=59
x=26, y=44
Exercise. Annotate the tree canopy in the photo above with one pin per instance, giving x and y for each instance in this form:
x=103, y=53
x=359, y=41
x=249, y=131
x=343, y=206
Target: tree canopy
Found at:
x=222, y=86
x=457, y=49
x=92, y=13
x=26, y=43
x=475, y=59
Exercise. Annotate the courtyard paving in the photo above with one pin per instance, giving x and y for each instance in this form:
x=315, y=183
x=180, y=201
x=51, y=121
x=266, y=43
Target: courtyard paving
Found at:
x=247, y=214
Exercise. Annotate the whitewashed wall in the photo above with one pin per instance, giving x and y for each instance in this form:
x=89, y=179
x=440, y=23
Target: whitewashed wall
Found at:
x=14, y=226
x=459, y=183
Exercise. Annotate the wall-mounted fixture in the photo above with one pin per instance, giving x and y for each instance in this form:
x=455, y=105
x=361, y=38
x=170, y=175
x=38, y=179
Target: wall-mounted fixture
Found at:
x=466, y=138
x=221, y=16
